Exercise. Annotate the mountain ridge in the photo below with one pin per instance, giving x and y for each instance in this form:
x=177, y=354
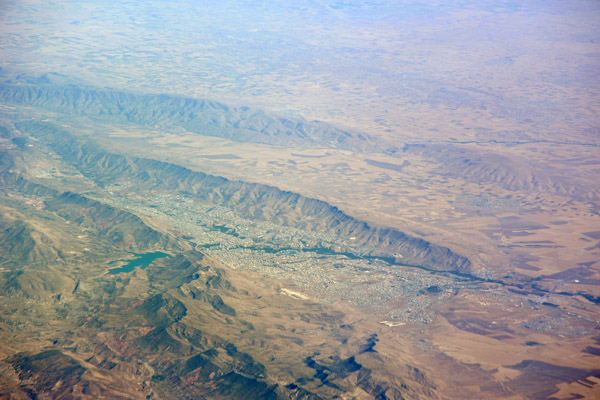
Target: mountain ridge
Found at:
x=250, y=200
x=204, y=117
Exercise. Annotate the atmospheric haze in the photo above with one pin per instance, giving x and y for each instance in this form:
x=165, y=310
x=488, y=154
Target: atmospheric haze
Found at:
x=299, y=200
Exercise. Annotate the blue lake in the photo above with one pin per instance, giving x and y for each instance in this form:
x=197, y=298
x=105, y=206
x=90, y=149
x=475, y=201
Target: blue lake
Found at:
x=142, y=260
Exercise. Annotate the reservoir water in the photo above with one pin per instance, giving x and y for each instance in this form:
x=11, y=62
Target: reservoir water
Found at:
x=142, y=260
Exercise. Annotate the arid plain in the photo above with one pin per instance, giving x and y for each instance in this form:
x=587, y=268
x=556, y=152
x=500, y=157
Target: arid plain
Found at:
x=473, y=127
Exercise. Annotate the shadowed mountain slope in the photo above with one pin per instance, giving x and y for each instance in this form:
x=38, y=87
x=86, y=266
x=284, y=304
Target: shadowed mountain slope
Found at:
x=249, y=200
x=199, y=116
x=243, y=124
